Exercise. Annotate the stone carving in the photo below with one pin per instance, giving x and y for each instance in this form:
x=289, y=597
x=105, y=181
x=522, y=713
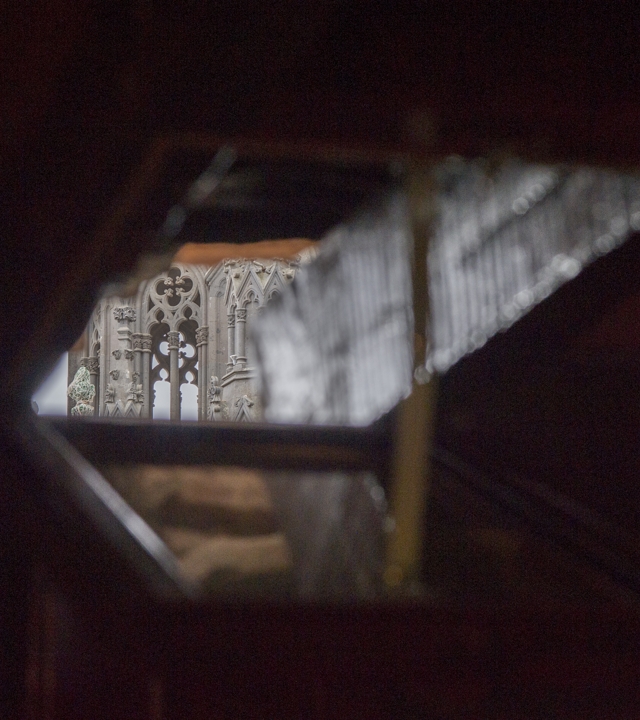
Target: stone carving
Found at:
x=174, y=296
x=133, y=404
x=82, y=390
x=92, y=364
x=124, y=314
x=217, y=408
x=215, y=391
x=134, y=393
x=261, y=268
x=175, y=286
x=234, y=268
x=202, y=335
x=110, y=394
x=141, y=341
x=245, y=407
x=186, y=309
x=173, y=339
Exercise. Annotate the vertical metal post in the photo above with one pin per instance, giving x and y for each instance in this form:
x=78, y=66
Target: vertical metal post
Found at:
x=173, y=339
x=410, y=480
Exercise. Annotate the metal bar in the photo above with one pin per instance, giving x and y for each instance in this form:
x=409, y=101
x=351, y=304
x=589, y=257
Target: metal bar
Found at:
x=557, y=518
x=254, y=445
x=410, y=468
x=73, y=482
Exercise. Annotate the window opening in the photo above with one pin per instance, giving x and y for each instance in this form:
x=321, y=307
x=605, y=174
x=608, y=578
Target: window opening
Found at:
x=51, y=396
x=177, y=350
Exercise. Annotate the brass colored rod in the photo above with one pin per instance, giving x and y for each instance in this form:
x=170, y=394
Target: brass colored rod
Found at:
x=410, y=462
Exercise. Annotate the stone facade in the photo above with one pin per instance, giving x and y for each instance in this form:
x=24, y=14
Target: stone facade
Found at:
x=188, y=325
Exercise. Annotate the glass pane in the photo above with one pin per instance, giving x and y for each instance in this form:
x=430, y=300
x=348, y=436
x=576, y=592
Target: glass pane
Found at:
x=238, y=532
x=331, y=340
x=51, y=396
x=321, y=336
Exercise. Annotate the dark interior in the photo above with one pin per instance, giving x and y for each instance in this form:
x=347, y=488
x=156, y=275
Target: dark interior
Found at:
x=109, y=113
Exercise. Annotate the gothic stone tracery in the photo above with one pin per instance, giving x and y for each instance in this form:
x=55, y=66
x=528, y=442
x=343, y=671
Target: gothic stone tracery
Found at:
x=188, y=325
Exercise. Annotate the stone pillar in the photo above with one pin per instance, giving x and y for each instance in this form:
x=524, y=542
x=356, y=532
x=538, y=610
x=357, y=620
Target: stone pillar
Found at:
x=119, y=369
x=124, y=316
x=93, y=365
x=142, y=364
x=173, y=339
x=231, y=336
x=202, y=341
x=241, y=323
x=231, y=342
x=137, y=354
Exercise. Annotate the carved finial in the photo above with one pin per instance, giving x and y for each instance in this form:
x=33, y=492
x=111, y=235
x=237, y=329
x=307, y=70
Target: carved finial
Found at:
x=124, y=314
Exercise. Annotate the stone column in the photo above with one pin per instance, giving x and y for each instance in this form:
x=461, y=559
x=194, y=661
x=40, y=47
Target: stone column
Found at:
x=202, y=341
x=231, y=342
x=241, y=323
x=137, y=354
x=142, y=364
x=119, y=369
x=124, y=316
x=93, y=365
x=173, y=339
